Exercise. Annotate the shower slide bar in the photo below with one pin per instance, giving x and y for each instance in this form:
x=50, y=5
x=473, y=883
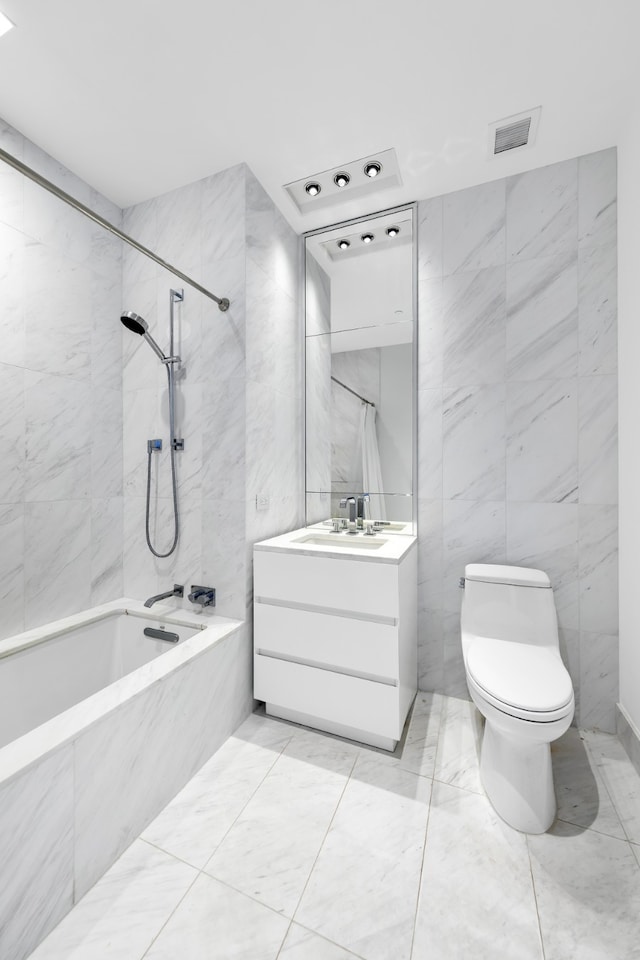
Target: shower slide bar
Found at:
x=223, y=302
x=341, y=384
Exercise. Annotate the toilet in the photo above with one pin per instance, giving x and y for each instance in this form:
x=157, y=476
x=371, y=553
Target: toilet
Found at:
x=519, y=683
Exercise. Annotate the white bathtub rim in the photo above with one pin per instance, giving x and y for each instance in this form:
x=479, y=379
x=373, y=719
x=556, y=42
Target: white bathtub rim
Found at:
x=16, y=757
x=167, y=612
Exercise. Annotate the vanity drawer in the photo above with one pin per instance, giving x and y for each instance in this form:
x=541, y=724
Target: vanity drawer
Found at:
x=327, y=583
x=354, y=646
x=335, y=697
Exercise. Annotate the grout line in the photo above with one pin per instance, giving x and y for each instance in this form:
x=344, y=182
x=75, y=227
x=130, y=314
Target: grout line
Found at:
x=330, y=824
x=419, y=888
x=244, y=807
x=201, y=870
x=535, y=896
x=603, y=779
x=171, y=914
x=321, y=936
x=441, y=726
x=286, y=934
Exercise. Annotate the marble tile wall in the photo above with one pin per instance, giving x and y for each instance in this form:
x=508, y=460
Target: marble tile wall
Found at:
x=274, y=408
x=518, y=410
x=238, y=390
x=61, y=507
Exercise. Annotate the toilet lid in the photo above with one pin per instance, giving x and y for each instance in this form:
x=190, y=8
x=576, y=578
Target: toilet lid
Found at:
x=519, y=674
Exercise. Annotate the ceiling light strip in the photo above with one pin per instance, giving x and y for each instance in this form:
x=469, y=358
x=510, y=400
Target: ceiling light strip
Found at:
x=223, y=302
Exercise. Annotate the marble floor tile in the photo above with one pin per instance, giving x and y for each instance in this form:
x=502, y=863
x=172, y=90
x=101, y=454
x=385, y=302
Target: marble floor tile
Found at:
x=196, y=821
x=369, y=858
x=458, y=756
x=476, y=896
x=580, y=791
x=270, y=850
x=419, y=753
x=214, y=922
x=302, y=944
x=620, y=778
x=363, y=889
x=588, y=894
x=126, y=909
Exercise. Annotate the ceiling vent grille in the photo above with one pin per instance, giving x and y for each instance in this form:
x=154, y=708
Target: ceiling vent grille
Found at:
x=513, y=133
x=512, y=136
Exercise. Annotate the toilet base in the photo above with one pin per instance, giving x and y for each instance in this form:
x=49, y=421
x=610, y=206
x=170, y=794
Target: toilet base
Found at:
x=517, y=777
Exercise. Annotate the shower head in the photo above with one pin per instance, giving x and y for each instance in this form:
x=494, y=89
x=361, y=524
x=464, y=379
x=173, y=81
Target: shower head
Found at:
x=137, y=324
x=134, y=322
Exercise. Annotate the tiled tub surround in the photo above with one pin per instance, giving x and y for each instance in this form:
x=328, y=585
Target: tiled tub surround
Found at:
x=60, y=397
x=293, y=845
x=77, y=490
x=76, y=790
x=238, y=387
x=518, y=410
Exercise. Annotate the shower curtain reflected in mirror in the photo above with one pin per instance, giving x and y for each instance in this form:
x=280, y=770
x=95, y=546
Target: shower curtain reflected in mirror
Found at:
x=371, y=470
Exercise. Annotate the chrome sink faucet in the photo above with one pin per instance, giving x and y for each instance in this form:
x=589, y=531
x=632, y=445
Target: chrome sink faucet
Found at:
x=178, y=591
x=353, y=507
x=361, y=500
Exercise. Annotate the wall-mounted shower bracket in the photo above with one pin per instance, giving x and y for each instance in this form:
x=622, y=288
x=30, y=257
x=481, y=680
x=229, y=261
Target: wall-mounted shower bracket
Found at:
x=177, y=444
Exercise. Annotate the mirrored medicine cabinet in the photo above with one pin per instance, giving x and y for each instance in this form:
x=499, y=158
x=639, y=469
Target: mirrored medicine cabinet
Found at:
x=360, y=370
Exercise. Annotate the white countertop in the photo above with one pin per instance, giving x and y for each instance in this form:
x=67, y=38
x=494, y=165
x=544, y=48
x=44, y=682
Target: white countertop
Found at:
x=317, y=541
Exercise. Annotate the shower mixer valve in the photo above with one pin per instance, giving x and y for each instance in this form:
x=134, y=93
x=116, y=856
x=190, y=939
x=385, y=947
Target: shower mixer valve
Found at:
x=204, y=596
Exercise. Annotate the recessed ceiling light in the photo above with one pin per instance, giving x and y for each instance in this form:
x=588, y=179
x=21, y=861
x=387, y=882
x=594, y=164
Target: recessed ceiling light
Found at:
x=393, y=231
x=343, y=244
x=372, y=169
x=367, y=238
x=5, y=24
x=346, y=181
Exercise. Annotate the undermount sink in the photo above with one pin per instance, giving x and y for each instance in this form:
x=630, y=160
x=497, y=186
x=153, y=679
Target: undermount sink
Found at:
x=346, y=541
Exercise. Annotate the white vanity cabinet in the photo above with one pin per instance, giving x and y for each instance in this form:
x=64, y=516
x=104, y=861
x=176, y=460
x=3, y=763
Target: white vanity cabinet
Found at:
x=335, y=635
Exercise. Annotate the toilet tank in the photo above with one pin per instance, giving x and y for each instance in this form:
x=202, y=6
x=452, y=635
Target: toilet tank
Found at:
x=511, y=603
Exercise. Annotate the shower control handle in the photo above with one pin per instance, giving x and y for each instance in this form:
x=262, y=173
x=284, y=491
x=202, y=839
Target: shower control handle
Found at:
x=205, y=596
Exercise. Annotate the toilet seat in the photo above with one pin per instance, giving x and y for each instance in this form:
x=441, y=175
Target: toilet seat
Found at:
x=523, y=680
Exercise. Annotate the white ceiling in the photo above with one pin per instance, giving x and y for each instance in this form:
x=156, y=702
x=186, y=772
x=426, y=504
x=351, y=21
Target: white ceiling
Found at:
x=141, y=96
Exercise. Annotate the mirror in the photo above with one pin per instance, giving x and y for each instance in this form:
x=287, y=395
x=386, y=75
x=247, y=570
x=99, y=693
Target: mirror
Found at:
x=360, y=370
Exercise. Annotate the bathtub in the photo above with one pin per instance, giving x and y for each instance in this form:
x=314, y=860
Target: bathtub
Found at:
x=100, y=726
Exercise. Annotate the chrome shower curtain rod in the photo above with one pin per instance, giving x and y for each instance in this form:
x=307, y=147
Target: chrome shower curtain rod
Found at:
x=341, y=384
x=223, y=302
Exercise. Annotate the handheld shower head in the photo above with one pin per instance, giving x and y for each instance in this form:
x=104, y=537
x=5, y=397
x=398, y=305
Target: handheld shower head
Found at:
x=137, y=324
x=134, y=322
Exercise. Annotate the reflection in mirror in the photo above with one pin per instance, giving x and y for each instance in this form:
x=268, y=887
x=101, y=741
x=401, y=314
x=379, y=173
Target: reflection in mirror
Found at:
x=360, y=345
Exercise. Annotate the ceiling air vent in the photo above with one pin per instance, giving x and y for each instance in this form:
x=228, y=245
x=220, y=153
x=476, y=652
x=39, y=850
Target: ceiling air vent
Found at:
x=513, y=133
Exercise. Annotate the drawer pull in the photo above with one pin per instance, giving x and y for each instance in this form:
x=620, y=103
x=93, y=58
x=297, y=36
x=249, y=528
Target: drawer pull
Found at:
x=328, y=611
x=304, y=662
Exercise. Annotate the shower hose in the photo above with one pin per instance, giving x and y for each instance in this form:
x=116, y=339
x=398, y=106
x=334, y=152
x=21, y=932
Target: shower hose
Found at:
x=174, y=481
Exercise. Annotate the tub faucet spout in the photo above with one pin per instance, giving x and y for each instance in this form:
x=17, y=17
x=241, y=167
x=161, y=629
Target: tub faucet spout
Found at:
x=178, y=591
